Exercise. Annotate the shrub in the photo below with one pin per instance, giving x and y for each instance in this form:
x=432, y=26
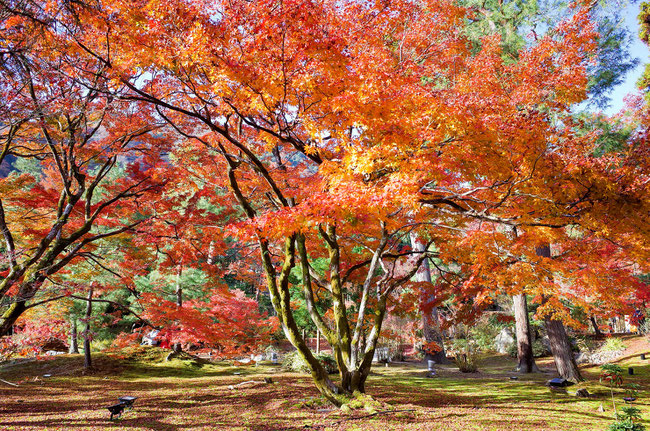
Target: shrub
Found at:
x=585, y=343
x=613, y=344
x=465, y=353
x=539, y=349
x=467, y=363
x=626, y=420
x=294, y=362
x=626, y=425
x=484, y=333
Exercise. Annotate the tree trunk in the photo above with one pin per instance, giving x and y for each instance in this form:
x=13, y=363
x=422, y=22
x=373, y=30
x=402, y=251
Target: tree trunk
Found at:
x=89, y=310
x=595, y=325
x=278, y=287
x=525, y=357
x=560, y=345
x=430, y=329
x=10, y=316
x=74, y=343
x=179, y=302
x=562, y=354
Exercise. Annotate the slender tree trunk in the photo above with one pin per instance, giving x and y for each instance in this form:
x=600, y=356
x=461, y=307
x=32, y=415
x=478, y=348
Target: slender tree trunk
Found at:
x=74, y=343
x=594, y=323
x=212, y=253
x=89, y=310
x=430, y=329
x=526, y=359
x=179, y=302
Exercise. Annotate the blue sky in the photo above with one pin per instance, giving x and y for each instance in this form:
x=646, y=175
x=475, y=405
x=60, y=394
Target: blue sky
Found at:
x=639, y=50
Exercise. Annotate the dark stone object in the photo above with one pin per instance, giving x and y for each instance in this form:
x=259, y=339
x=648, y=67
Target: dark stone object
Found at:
x=559, y=383
x=268, y=380
x=116, y=410
x=643, y=356
x=630, y=371
x=582, y=393
x=629, y=399
x=127, y=401
x=514, y=378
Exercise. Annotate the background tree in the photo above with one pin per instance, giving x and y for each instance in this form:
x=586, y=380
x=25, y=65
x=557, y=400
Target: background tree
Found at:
x=59, y=116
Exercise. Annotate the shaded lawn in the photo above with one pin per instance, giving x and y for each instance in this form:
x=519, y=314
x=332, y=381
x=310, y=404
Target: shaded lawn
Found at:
x=179, y=395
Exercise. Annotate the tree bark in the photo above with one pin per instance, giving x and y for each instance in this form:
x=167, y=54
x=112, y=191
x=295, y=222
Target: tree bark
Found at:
x=10, y=316
x=430, y=329
x=89, y=310
x=525, y=357
x=560, y=345
x=562, y=354
x=74, y=343
x=177, y=348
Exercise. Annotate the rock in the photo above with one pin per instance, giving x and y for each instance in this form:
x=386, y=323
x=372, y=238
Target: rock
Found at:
x=504, y=340
x=598, y=357
x=601, y=409
x=582, y=358
x=582, y=393
x=149, y=339
x=54, y=345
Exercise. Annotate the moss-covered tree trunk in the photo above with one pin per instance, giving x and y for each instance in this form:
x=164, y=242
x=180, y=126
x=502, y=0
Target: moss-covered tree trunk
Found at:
x=10, y=316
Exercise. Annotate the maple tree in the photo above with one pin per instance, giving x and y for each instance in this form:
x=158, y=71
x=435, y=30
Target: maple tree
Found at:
x=448, y=132
x=333, y=131
x=58, y=119
x=610, y=62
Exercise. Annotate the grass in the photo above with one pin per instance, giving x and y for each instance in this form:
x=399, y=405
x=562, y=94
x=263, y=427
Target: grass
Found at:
x=185, y=395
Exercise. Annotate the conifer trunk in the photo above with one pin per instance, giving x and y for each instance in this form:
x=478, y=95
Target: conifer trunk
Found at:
x=525, y=357
x=562, y=354
x=560, y=345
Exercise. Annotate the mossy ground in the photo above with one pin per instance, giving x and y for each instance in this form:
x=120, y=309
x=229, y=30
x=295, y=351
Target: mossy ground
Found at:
x=185, y=395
